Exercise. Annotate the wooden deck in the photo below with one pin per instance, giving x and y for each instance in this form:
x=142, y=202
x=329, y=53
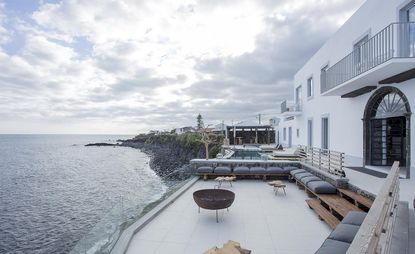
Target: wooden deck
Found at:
x=337, y=204
x=359, y=201
x=323, y=213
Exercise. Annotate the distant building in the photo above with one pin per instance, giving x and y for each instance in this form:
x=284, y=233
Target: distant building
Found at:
x=220, y=129
x=246, y=133
x=186, y=129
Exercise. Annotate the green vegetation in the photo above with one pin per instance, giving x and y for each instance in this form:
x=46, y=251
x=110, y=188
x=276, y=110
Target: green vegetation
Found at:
x=188, y=141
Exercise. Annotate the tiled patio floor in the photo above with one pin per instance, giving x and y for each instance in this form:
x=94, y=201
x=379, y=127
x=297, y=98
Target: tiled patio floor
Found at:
x=258, y=219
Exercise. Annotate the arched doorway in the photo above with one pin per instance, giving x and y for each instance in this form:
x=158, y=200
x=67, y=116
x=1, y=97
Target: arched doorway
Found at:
x=387, y=128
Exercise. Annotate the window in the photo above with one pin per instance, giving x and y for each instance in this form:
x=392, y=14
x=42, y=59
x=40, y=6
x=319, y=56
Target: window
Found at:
x=361, y=54
x=323, y=79
x=298, y=133
x=310, y=87
x=298, y=95
x=310, y=133
x=284, y=134
x=325, y=133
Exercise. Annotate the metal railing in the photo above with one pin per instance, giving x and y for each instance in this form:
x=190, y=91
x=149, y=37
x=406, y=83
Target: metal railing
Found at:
x=324, y=159
x=375, y=234
x=290, y=107
x=397, y=40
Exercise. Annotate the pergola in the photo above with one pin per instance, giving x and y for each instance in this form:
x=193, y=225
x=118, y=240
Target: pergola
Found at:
x=250, y=134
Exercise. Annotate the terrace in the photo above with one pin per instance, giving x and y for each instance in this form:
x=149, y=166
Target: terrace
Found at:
x=260, y=220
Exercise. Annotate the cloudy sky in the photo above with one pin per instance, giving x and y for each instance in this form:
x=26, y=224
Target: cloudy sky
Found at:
x=128, y=66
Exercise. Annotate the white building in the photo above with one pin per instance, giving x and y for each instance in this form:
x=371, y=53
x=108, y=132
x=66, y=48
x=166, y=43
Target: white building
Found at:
x=356, y=94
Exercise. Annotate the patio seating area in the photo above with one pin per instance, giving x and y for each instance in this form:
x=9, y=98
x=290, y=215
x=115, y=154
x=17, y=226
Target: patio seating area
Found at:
x=258, y=220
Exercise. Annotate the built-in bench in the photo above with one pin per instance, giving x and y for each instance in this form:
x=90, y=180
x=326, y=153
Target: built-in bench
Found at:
x=362, y=202
x=339, y=240
x=244, y=171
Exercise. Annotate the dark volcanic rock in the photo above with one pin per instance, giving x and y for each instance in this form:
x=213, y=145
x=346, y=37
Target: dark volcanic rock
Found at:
x=101, y=144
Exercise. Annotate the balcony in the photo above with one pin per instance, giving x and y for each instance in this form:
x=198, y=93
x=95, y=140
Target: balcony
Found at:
x=381, y=59
x=290, y=109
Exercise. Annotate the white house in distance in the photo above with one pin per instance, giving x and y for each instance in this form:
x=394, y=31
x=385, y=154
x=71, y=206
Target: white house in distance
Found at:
x=356, y=94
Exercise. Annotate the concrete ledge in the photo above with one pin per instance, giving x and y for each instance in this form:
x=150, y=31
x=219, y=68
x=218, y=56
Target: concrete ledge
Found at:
x=400, y=235
x=124, y=240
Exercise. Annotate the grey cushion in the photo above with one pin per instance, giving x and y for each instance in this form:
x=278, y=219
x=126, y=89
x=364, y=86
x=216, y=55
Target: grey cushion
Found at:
x=302, y=175
x=308, y=179
x=354, y=218
x=290, y=168
x=344, y=233
x=257, y=170
x=241, y=170
x=333, y=247
x=297, y=171
x=222, y=170
x=275, y=170
x=205, y=169
x=321, y=187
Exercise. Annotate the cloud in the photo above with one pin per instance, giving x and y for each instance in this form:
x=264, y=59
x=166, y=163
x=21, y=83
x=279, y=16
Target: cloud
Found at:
x=130, y=66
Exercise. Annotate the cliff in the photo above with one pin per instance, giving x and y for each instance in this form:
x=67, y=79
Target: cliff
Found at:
x=169, y=152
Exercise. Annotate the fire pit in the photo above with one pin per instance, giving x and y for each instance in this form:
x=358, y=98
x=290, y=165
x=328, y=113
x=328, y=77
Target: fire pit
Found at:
x=214, y=199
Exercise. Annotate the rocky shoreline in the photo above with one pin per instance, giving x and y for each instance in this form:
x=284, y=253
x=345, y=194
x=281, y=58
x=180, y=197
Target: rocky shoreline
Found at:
x=168, y=153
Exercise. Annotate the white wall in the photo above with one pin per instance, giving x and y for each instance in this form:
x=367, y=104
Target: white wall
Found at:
x=345, y=114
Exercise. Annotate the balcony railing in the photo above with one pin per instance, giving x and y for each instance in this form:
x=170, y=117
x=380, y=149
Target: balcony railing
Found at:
x=397, y=40
x=290, y=107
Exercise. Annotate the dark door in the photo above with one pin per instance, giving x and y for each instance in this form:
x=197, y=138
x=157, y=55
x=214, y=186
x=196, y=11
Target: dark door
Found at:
x=388, y=141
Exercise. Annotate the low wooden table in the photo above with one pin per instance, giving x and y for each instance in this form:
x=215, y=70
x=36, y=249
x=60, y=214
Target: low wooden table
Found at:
x=221, y=179
x=231, y=247
x=278, y=185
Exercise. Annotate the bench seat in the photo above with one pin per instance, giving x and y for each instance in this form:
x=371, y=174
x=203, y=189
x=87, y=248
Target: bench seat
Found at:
x=307, y=179
x=331, y=246
x=222, y=170
x=205, y=169
x=321, y=187
x=241, y=170
x=302, y=175
x=297, y=171
x=257, y=170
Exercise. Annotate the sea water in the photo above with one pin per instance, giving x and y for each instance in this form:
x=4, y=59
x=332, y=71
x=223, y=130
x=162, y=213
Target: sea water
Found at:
x=53, y=189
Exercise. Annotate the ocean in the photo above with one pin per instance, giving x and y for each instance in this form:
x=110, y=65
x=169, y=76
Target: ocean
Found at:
x=54, y=190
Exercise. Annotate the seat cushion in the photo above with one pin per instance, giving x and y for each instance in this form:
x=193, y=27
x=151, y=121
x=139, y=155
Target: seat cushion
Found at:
x=205, y=169
x=275, y=170
x=222, y=170
x=331, y=246
x=302, y=175
x=344, y=233
x=290, y=168
x=297, y=171
x=354, y=218
x=241, y=170
x=321, y=187
x=257, y=170
x=308, y=179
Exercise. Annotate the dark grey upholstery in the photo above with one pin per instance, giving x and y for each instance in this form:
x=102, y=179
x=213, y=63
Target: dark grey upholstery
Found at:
x=205, y=169
x=222, y=170
x=344, y=233
x=302, y=175
x=290, y=168
x=321, y=187
x=333, y=247
x=354, y=218
x=257, y=170
x=275, y=170
x=241, y=170
x=297, y=171
x=308, y=179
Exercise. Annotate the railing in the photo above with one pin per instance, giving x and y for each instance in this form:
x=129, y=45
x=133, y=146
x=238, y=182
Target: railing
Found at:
x=375, y=234
x=290, y=107
x=104, y=235
x=324, y=159
x=397, y=40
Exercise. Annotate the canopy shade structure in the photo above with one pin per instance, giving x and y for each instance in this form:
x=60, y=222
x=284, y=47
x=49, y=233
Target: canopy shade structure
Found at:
x=250, y=134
